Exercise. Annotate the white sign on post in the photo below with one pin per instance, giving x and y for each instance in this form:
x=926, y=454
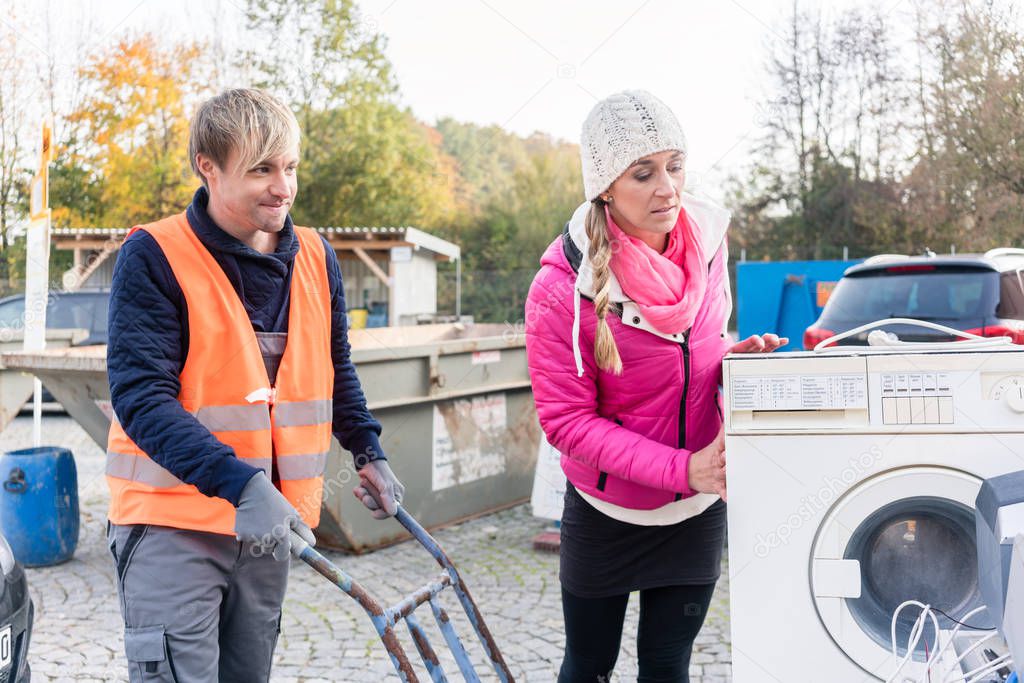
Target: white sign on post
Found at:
x=37, y=279
x=37, y=269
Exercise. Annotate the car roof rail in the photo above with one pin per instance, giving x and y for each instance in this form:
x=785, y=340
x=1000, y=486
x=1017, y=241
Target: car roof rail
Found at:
x=883, y=258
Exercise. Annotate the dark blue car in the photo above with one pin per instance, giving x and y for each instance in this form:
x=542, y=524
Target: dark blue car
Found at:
x=85, y=309
x=981, y=294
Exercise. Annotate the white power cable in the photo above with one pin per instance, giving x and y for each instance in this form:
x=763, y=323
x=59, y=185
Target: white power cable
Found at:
x=973, y=341
x=915, y=634
x=912, y=640
x=972, y=648
x=917, y=631
x=985, y=669
x=936, y=655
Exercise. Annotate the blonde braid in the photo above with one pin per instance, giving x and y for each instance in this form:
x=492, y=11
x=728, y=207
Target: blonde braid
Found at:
x=598, y=256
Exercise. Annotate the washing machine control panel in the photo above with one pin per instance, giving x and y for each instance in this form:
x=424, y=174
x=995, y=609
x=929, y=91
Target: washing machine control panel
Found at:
x=904, y=393
x=948, y=392
x=916, y=398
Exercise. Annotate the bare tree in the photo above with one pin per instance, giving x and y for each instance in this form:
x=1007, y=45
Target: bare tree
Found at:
x=835, y=87
x=968, y=182
x=981, y=99
x=14, y=141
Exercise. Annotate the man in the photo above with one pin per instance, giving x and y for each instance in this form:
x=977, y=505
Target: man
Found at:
x=229, y=369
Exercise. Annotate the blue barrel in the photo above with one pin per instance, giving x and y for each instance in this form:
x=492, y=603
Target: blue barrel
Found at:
x=39, y=504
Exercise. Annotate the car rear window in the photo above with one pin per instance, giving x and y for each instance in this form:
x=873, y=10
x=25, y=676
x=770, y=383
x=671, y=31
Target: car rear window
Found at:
x=940, y=294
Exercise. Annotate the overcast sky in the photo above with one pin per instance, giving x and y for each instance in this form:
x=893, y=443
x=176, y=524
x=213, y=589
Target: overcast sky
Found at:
x=539, y=65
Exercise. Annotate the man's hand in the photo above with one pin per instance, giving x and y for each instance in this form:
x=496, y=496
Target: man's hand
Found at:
x=265, y=517
x=706, y=470
x=759, y=344
x=379, y=489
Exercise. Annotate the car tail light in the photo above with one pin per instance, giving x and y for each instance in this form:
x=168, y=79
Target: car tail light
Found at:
x=1017, y=335
x=815, y=335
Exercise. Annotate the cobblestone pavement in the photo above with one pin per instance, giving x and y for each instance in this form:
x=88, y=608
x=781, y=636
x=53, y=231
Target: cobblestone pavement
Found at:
x=325, y=635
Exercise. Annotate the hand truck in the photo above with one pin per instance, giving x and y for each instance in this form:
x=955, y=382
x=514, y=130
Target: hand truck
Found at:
x=384, y=619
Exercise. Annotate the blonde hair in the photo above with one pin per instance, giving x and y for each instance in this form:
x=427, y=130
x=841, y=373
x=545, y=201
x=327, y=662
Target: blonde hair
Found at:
x=599, y=256
x=250, y=121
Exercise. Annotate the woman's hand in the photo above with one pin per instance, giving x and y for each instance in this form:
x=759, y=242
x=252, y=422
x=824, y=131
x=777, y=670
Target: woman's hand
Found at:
x=706, y=469
x=759, y=344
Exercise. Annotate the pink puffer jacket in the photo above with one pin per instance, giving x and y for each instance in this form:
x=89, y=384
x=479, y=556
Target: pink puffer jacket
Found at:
x=621, y=437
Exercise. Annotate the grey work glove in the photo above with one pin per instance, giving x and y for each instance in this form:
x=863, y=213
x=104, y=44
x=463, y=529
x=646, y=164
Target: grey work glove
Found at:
x=264, y=517
x=379, y=489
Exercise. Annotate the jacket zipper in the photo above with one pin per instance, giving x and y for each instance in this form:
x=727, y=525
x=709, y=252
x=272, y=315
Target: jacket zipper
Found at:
x=686, y=390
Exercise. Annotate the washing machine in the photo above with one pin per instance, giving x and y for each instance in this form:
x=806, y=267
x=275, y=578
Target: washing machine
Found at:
x=852, y=476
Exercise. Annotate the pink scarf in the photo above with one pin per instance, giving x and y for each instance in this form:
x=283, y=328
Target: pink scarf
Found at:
x=668, y=287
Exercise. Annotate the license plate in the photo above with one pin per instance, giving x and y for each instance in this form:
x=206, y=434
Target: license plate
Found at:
x=6, y=648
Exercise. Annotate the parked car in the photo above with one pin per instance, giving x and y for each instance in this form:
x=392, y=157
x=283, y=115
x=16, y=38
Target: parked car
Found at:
x=82, y=309
x=16, y=615
x=981, y=294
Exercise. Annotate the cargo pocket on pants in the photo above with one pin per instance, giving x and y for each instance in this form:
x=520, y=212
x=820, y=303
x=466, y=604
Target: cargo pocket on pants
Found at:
x=149, y=660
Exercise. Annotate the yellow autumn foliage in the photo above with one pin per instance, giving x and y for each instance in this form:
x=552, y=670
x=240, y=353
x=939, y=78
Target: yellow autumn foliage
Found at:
x=132, y=128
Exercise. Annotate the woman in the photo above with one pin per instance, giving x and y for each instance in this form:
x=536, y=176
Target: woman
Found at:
x=625, y=333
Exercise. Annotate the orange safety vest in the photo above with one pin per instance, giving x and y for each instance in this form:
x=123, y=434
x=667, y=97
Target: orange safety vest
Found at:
x=225, y=387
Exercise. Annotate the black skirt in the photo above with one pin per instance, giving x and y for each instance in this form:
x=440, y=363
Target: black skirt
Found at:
x=601, y=557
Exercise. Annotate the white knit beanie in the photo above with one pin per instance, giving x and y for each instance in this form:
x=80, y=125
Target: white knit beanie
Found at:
x=621, y=129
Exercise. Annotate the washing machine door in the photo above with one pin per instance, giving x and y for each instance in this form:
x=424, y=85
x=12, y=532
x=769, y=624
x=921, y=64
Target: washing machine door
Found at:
x=906, y=534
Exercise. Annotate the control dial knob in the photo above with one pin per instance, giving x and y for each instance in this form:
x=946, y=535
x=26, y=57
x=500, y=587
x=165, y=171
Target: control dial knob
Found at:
x=1011, y=390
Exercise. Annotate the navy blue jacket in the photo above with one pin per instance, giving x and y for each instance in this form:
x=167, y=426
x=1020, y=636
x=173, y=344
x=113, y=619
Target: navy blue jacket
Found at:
x=148, y=326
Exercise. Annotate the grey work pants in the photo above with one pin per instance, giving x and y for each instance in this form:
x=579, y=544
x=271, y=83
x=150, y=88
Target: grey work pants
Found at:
x=197, y=607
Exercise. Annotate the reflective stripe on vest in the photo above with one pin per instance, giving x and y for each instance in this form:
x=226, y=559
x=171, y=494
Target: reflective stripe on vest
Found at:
x=306, y=466
x=224, y=384
x=143, y=470
x=303, y=413
x=241, y=418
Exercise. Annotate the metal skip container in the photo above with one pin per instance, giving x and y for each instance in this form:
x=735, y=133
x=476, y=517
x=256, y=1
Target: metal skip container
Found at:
x=459, y=424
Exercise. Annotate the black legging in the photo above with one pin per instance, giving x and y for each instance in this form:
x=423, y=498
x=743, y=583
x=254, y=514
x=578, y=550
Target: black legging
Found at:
x=670, y=619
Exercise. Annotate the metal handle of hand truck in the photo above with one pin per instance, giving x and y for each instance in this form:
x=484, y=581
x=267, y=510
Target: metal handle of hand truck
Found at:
x=298, y=543
x=375, y=494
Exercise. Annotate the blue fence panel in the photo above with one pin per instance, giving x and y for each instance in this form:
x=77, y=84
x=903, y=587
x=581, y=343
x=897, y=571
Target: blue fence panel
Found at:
x=784, y=297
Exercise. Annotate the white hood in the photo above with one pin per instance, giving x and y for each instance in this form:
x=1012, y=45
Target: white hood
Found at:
x=712, y=221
